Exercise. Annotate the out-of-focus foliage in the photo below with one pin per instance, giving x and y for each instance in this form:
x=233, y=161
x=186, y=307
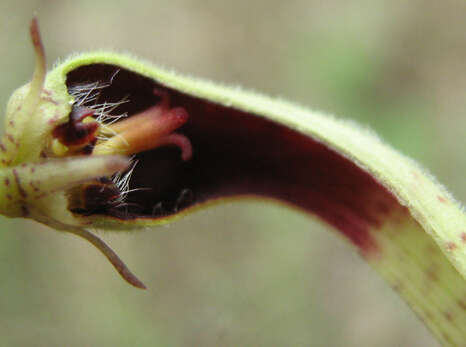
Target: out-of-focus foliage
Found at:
x=236, y=274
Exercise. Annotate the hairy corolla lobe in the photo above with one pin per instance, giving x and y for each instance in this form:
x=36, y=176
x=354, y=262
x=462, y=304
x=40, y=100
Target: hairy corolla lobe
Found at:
x=236, y=153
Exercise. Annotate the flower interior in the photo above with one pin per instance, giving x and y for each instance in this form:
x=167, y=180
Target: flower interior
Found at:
x=187, y=151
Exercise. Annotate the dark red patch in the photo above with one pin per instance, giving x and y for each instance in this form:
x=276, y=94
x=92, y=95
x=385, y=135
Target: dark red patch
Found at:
x=451, y=246
x=9, y=197
x=75, y=132
x=10, y=138
x=463, y=236
x=239, y=153
x=2, y=147
x=98, y=195
x=7, y=181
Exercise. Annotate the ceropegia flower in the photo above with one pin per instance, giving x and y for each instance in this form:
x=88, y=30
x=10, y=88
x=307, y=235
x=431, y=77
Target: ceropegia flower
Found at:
x=109, y=142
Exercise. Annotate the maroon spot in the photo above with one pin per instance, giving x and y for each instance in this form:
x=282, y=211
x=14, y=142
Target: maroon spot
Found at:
x=33, y=169
x=11, y=123
x=448, y=316
x=23, y=165
x=462, y=304
x=9, y=197
x=463, y=236
x=10, y=138
x=49, y=99
x=2, y=147
x=21, y=191
x=441, y=199
x=7, y=181
x=431, y=274
x=451, y=246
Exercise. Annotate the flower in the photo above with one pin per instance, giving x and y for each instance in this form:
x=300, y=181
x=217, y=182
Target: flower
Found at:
x=97, y=145
x=60, y=167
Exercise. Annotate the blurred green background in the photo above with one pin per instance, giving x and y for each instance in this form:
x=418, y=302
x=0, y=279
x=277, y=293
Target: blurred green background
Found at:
x=246, y=273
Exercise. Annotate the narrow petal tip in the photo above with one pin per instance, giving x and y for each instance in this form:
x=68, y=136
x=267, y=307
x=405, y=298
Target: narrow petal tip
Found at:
x=37, y=41
x=114, y=259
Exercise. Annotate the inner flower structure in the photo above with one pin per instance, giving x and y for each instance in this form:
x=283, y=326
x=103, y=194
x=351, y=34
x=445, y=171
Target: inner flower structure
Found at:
x=95, y=131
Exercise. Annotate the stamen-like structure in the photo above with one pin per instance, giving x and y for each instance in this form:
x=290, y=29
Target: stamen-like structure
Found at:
x=147, y=130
